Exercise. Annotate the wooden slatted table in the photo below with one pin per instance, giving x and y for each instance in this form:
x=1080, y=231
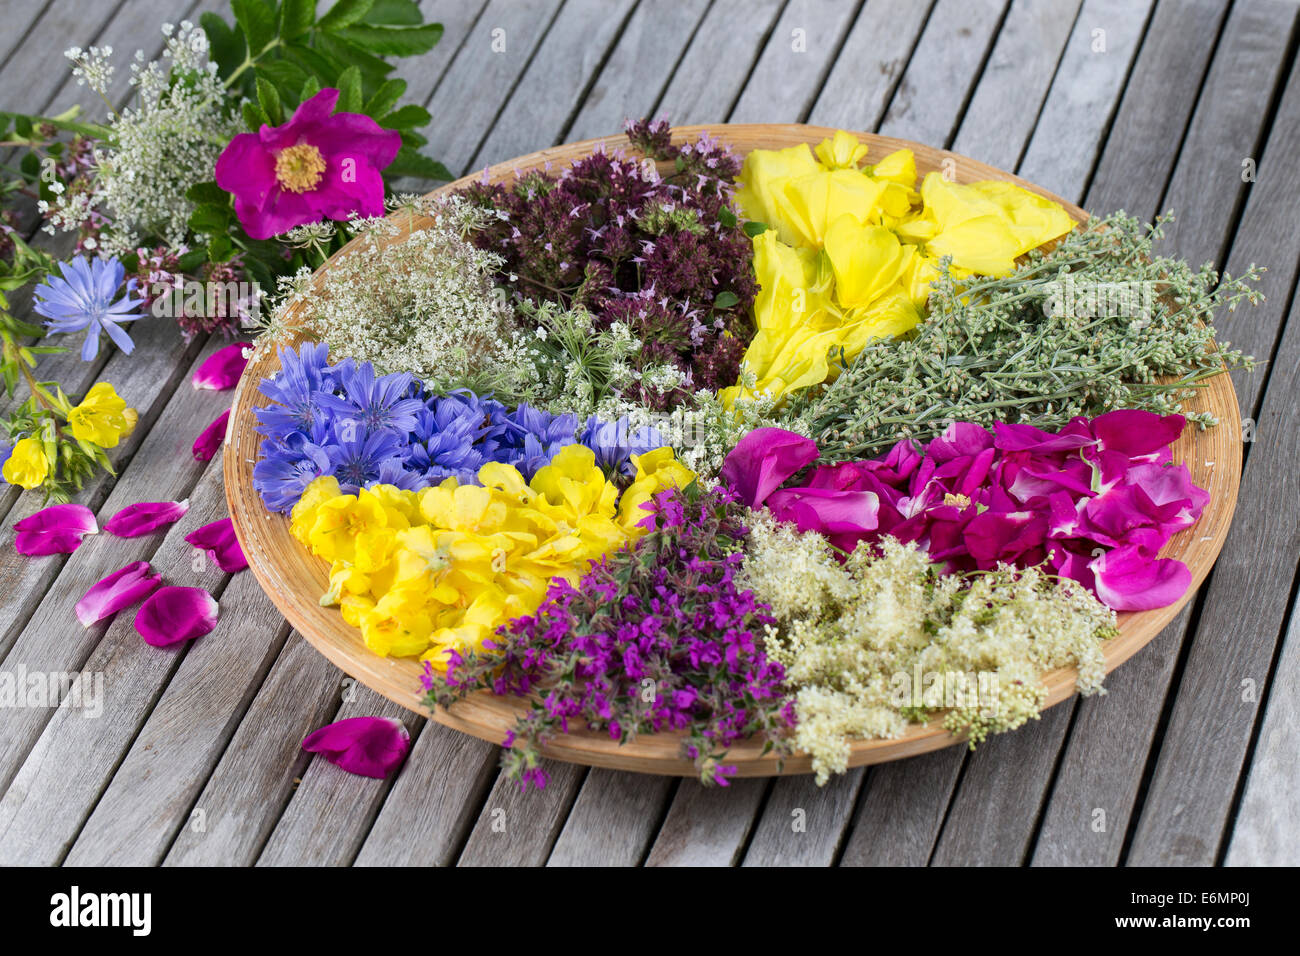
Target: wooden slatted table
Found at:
x=1133, y=104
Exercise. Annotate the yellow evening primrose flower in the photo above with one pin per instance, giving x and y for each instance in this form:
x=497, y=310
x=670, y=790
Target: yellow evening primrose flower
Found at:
x=344, y=579
x=458, y=507
x=399, y=624
x=27, y=466
x=898, y=167
x=575, y=481
x=303, y=515
x=485, y=614
x=656, y=471
x=808, y=204
x=355, y=529
x=101, y=418
x=763, y=169
x=841, y=151
x=867, y=260
x=984, y=226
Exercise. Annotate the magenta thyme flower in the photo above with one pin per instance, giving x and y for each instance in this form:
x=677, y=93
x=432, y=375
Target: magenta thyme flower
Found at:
x=316, y=166
x=655, y=637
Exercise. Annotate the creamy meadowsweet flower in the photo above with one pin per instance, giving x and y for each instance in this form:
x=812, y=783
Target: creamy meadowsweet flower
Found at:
x=883, y=639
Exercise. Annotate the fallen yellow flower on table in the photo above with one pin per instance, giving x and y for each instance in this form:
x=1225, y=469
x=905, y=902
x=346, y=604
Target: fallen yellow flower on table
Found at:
x=102, y=418
x=850, y=251
x=27, y=465
x=438, y=570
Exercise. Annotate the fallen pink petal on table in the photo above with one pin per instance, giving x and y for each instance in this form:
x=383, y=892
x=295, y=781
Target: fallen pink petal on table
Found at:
x=174, y=614
x=58, y=529
x=120, y=589
x=368, y=746
x=222, y=368
x=145, y=516
x=219, y=541
x=206, y=445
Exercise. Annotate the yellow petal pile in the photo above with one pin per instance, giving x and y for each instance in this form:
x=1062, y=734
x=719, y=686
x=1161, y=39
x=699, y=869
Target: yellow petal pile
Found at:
x=440, y=569
x=850, y=251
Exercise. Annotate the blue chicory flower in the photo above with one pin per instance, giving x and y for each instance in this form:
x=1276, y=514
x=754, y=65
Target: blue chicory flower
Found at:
x=372, y=404
x=85, y=300
x=615, y=442
x=295, y=392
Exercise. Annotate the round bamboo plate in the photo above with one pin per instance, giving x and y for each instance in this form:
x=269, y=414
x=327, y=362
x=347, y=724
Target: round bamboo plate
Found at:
x=294, y=579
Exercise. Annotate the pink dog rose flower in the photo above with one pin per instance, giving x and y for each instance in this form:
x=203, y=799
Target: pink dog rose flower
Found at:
x=316, y=166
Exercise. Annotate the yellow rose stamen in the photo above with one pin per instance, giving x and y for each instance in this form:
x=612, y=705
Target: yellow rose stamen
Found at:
x=299, y=168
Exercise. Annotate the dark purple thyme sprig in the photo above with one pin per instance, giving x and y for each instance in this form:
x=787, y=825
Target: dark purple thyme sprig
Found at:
x=655, y=637
x=663, y=253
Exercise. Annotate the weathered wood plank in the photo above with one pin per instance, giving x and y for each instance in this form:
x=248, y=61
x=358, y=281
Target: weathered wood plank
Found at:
x=20, y=17
x=803, y=824
x=72, y=762
x=719, y=61
x=482, y=75
x=1091, y=801
x=870, y=64
x=518, y=827
x=1159, y=97
x=794, y=64
x=613, y=821
x=240, y=803
x=901, y=809
x=639, y=68
x=1111, y=742
x=991, y=819
x=932, y=93
x=1266, y=831
x=28, y=82
x=1085, y=94
x=708, y=826
x=331, y=810
x=552, y=87
x=1004, y=110
x=423, y=72
x=433, y=802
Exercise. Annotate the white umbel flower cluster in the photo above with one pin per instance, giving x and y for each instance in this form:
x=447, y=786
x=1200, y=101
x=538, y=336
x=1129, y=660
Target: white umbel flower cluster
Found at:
x=423, y=303
x=168, y=141
x=884, y=639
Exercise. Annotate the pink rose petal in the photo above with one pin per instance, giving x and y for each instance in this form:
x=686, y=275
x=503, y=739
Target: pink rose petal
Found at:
x=174, y=614
x=1135, y=432
x=206, y=445
x=843, y=517
x=762, y=460
x=145, y=516
x=222, y=368
x=120, y=589
x=1127, y=579
x=369, y=746
x=57, y=529
x=219, y=541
